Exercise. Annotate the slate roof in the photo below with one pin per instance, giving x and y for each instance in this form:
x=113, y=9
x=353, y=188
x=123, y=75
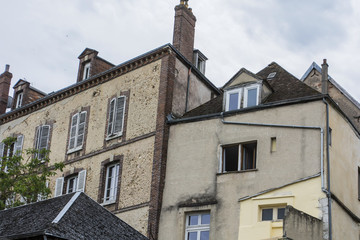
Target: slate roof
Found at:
x=71, y=216
x=284, y=85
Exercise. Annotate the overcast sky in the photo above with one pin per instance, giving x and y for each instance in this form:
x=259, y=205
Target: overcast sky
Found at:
x=41, y=39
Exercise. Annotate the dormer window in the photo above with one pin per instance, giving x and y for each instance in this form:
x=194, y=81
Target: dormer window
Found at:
x=200, y=61
x=242, y=97
x=19, y=100
x=86, y=73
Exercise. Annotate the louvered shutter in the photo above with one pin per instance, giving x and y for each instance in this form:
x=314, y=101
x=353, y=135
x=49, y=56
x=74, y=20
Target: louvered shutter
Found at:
x=111, y=117
x=74, y=123
x=59, y=186
x=18, y=145
x=37, y=137
x=81, y=181
x=81, y=130
x=2, y=146
x=120, y=104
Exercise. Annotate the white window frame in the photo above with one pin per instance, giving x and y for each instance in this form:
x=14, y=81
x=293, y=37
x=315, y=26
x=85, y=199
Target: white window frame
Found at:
x=86, y=72
x=16, y=150
x=246, y=90
x=38, y=139
x=196, y=228
x=75, y=179
x=228, y=93
x=76, y=136
x=113, y=185
x=112, y=120
x=240, y=156
x=275, y=212
x=19, y=100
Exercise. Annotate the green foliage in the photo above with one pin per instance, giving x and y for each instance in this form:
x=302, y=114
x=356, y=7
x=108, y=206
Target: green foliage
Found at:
x=23, y=180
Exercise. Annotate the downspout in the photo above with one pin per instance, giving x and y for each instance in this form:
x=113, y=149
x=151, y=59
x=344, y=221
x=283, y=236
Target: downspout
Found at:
x=328, y=190
x=45, y=238
x=290, y=126
x=187, y=89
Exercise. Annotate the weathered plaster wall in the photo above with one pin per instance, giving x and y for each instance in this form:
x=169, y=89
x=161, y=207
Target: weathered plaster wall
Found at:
x=195, y=151
x=343, y=225
x=199, y=93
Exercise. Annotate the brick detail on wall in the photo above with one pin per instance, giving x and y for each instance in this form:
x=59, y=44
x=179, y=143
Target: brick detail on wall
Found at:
x=160, y=148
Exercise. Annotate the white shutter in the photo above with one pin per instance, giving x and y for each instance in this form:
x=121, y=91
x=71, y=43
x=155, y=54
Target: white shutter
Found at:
x=81, y=181
x=74, y=123
x=111, y=117
x=59, y=186
x=37, y=138
x=18, y=145
x=119, y=116
x=2, y=145
x=44, y=139
x=81, y=130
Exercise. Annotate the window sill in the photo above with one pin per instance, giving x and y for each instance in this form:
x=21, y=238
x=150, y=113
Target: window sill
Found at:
x=241, y=171
x=108, y=203
x=113, y=136
x=74, y=150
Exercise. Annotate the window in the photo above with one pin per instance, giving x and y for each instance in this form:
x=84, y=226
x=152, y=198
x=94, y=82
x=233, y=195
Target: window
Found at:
x=197, y=226
x=272, y=214
x=330, y=136
x=19, y=100
x=200, y=61
x=239, y=157
x=42, y=140
x=234, y=97
x=251, y=96
x=77, y=131
x=116, y=117
x=9, y=151
x=86, y=73
x=73, y=183
x=273, y=144
x=111, y=183
x=271, y=76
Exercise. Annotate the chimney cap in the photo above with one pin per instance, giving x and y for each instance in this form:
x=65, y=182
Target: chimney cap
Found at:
x=324, y=61
x=7, y=67
x=184, y=2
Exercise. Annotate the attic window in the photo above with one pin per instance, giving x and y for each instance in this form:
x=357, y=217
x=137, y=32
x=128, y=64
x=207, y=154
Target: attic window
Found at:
x=271, y=75
x=242, y=97
x=19, y=100
x=86, y=73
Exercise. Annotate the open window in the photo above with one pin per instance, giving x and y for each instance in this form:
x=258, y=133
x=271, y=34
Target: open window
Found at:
x=72, y=183
x=237, y=157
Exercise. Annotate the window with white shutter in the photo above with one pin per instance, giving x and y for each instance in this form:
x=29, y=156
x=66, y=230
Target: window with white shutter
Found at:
x=18, y=145
x=77, y=131
x=111, y=183
x=116, y=117
x=42, y=140
x=80, y=186
x=59, y=186
x=2, y=148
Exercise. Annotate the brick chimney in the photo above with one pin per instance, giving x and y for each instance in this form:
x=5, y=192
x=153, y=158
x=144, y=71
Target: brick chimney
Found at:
x=324, y=77
x=5, y=80
x=184, y=30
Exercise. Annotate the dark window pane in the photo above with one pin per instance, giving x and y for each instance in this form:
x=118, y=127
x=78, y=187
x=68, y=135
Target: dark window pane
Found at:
x=281, y=213
x=267, y=214
x=233, y=101
x=251, y=97
x=204, y=235
x=192, y=236
x=231, y=158
x=249, y=156
x=205, y=219
x=193, y=220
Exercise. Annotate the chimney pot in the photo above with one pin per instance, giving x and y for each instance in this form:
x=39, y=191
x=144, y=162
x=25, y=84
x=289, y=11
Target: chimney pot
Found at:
x=7, y=67
x=324, y=77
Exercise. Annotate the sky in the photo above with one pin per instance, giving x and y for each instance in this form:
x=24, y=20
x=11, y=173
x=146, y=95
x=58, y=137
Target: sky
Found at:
x=42, y=39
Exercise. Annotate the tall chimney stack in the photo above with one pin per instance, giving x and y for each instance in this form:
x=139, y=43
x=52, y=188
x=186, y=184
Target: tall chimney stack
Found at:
x=324, y=77
x=184, y=30
x=5, y=80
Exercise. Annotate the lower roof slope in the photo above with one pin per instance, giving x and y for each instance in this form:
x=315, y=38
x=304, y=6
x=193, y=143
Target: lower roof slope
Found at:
x=71, y=216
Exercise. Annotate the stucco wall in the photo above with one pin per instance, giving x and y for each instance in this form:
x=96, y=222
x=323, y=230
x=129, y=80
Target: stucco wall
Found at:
x=195, y=151
x=199, y=93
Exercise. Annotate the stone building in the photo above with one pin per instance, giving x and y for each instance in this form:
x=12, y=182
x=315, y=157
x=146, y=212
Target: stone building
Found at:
x=269, y=158
x=109, y=128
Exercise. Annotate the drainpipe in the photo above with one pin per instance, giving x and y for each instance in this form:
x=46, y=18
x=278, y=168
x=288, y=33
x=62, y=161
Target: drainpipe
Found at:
x=328, y=190
x=187, y=89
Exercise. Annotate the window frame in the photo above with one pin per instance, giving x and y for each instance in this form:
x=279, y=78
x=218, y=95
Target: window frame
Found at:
x=113, y=119
x=86, y=72
x=228, y=93
x=77, y=127
x=19, y=100
x=246, y=92
x=38, y=138
x=275, y=213
x=76, y=179
x=113, y=184
x=241, y=156
x=196, y=228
